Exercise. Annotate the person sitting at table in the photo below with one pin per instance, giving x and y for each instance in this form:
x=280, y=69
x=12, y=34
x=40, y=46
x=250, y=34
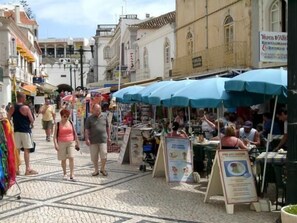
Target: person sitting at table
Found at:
x=249, y=135
x=207, y=128
x=180, y=118
x=283, y=116
x=175, y=131
x=214, y=125
x=230, y=141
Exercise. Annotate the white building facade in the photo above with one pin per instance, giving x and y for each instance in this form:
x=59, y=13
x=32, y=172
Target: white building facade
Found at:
x=20, y=54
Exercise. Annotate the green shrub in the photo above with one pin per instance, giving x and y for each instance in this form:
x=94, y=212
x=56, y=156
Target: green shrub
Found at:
x=291, y=209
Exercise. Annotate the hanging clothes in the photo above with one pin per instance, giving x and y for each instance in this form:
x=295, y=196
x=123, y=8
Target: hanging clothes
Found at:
x=7, y=157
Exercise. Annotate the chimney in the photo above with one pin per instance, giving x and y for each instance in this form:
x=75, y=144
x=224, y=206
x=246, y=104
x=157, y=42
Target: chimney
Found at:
x=147, y=15
x=17, y=14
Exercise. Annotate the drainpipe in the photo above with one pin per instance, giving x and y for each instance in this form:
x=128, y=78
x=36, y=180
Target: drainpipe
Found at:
x=206, y=22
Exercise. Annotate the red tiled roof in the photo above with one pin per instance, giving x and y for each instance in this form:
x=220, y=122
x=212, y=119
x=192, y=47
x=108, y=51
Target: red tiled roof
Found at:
x=157, y=22
x=23, y=17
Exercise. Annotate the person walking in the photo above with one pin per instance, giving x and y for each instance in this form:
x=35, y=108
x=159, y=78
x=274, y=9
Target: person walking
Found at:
x=48, y=118
x=22, y=123
x=65, y=141
x=97, y=138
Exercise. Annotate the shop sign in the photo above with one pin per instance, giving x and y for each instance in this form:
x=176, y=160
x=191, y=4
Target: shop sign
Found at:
x=197, y=62
x=273, y=47
x=38, y=80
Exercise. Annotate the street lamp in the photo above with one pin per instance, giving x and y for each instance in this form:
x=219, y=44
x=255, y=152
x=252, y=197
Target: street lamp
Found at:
x=70, y=48
x=81, y=53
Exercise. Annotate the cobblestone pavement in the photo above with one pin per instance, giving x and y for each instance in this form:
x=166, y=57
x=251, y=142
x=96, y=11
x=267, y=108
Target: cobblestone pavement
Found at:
x=125, y=195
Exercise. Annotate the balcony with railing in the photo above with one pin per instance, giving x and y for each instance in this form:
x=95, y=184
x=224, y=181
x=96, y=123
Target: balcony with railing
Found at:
x=232, y=55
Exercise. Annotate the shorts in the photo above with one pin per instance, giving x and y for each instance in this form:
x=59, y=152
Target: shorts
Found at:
x=23, y=140
x=95, y=149
x=66, y=150
x=47, y=124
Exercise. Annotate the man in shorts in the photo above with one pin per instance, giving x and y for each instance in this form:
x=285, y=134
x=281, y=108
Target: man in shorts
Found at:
x=48, y=118
x=22, y=123
x=97, y=138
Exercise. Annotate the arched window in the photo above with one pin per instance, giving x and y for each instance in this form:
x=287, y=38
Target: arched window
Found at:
x=167, y=51
x=190, y=43
x=278, y=16
x=106, y=53
x=137, y=63
x=228, y=34
x=145, y=58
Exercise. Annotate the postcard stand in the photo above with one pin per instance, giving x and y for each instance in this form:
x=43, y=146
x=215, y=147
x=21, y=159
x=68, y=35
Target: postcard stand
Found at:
x=217, y=187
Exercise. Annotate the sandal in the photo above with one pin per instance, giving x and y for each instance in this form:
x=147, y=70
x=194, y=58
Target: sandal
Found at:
x=72, y=179
x=31, y=172
x=95, y=174
x=103, y=172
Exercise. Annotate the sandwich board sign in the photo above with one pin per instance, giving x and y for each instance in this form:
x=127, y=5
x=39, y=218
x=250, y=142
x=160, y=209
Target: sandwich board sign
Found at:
x=175, y=159
x=232, y=177
x=124, y=153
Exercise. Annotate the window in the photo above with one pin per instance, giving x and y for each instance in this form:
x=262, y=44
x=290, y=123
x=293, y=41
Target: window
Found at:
x=275, y=17
x=106, y=53
x=167, y=51
x=145, y=58
x=137, y=64
x=1, y=74
x=278, y=16
x=228, y=34
x=190, y=43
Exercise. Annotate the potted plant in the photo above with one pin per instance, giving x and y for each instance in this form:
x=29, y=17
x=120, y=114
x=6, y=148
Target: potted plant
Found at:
x=289, y=214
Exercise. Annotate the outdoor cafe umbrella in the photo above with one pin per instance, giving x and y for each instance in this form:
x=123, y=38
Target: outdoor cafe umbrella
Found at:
x=209, y=93
x=269, y=82
x=162, y=95
x=143, y=95
x=119, y=95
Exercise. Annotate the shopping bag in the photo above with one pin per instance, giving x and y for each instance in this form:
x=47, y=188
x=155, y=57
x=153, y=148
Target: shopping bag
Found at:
x=32, y=150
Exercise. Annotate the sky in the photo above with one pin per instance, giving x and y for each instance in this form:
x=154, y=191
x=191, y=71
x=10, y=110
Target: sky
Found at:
x=79, y=18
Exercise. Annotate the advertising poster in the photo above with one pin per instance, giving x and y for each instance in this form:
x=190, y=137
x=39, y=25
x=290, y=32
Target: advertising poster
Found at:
x=179, y=159
x=238, y=181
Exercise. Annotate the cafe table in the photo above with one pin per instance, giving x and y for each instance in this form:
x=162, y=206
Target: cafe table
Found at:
x=204, y=153
x=273, y=158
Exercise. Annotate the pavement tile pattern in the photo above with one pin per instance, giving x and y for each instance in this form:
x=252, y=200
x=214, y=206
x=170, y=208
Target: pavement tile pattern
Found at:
x=125, y=195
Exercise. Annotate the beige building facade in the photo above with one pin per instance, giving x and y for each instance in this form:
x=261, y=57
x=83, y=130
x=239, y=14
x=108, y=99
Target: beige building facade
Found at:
x=217, y=36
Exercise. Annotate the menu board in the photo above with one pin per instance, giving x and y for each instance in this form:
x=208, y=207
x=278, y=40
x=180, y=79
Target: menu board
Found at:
x=238, y=181
x=179, y=160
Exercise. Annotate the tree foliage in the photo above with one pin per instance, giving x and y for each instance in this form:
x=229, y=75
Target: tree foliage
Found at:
x=27, y=9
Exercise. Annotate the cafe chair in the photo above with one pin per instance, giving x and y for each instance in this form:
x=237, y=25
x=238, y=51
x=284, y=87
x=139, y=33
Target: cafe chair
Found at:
x=280, y=184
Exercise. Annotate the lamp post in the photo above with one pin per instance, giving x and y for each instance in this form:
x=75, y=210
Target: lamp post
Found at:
x=70, y=48
x=81, y=53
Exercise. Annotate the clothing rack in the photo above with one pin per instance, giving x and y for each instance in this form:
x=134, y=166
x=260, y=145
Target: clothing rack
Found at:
x=9, y=158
